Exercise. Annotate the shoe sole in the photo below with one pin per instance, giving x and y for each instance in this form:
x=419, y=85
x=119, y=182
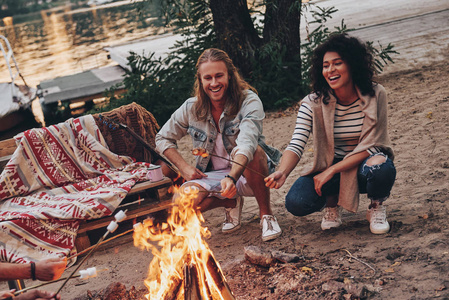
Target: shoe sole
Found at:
x=240, y=218
x=232, y=230
x=327, y=228
x=374, y=231
x=271, y=237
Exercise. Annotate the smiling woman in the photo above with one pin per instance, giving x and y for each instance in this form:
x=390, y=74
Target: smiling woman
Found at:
x=357, y=157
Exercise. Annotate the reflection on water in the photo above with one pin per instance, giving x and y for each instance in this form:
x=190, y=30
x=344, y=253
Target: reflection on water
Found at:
x=58, y=43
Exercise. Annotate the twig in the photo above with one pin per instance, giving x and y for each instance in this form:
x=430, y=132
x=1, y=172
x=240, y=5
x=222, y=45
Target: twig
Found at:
x=234, y=162
x=359, y=260
x=48, y=282
x=83, y=260
x=210, y=192
x=86, y=257
x=225, y=158
x=103, y=242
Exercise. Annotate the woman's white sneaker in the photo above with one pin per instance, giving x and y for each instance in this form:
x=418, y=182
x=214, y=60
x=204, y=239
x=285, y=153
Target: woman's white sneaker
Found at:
x=331, y=218
x=377, y=218
x=233, y=216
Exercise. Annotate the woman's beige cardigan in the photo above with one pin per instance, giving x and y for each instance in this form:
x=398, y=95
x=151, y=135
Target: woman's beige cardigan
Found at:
x=374, y=133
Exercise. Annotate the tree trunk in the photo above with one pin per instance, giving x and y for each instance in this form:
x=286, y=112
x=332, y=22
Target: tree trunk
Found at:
x=282, y=20
x=235, y=32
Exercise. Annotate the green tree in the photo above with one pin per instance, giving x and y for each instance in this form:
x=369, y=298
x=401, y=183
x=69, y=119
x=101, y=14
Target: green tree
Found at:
x=261, y=37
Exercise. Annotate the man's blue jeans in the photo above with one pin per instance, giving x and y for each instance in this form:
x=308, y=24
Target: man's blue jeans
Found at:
x=376, y=181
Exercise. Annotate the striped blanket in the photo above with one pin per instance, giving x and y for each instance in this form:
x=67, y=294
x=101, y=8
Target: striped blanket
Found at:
x=59, y=175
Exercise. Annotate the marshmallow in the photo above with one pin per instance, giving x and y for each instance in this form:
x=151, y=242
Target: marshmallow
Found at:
x=112, y=226
x=88, y=273
x=120, y=216
x=138, y=226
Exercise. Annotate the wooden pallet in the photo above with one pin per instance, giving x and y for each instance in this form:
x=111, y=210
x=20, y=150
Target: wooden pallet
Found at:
x=143, y=199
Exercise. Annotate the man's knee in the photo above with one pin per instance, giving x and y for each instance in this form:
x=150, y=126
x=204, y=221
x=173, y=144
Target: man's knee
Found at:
x=259, y=156
x=194, y=188
x=259, y=163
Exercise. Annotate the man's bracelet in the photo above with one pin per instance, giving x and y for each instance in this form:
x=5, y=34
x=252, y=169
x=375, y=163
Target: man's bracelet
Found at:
x=232, y=178
x=33, y=270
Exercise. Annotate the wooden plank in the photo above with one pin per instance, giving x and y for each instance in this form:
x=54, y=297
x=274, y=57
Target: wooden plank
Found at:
x=132, y=213
x=142, y=186
x=7, y=147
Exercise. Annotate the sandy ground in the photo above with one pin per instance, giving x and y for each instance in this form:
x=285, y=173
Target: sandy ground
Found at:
x=410, y=262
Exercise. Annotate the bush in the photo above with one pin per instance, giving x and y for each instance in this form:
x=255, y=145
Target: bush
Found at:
x=161, y=86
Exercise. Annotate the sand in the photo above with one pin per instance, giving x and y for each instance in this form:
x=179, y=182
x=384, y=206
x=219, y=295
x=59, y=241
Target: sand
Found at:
x=409, y=262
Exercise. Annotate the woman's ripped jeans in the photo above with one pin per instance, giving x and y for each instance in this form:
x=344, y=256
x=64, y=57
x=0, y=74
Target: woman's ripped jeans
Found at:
x=375, y=180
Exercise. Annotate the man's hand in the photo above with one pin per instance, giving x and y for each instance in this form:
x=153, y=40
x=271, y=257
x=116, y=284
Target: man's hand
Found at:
x=190, y=173
x=275, y=180
x=229, y=190
x=50, y=269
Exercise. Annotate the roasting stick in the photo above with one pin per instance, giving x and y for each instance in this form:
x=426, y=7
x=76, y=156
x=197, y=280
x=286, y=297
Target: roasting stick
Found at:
x=103, y=242
x=114, y=124
x=120, y=216
x=204, y=153
x=50, y=282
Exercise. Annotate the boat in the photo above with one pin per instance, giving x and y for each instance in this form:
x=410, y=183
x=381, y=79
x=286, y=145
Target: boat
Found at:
x=15, y=99
x=68, y=96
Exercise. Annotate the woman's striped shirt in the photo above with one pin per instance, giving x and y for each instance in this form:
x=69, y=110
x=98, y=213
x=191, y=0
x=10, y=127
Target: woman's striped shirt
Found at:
x=347, y=129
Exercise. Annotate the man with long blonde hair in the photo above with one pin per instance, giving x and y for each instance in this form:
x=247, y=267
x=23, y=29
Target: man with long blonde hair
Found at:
x=225, y=119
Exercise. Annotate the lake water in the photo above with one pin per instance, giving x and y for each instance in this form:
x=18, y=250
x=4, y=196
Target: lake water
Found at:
x=64, y=42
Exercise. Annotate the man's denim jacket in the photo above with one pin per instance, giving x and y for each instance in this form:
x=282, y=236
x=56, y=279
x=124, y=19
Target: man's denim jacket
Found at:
x=241, y=133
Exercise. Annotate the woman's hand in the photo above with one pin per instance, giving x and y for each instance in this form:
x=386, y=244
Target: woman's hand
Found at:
x=275, y=180
x=320, y=179
x=229, y=190
x=190, y=173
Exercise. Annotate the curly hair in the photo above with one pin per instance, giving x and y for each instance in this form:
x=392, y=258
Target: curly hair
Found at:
x=235, y=91
x=354, y=53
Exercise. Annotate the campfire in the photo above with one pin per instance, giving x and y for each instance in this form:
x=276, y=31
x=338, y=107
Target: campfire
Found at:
x=183, y=266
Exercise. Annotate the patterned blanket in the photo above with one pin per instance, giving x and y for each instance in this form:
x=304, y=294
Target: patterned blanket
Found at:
x=57, y=176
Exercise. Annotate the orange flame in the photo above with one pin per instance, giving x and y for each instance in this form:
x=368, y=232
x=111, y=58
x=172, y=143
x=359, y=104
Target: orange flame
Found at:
x=180, y=241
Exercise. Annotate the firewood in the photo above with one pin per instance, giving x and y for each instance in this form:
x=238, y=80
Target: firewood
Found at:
x=259, y=257
x=285, y=257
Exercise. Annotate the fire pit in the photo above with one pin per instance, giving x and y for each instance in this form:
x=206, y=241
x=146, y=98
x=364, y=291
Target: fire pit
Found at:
x=183, y=266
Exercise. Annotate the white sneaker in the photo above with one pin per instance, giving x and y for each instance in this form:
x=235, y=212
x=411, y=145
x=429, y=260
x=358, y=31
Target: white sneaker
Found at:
x=331, y=218
x=377, y=217
x=232, y=217
x=270, y=228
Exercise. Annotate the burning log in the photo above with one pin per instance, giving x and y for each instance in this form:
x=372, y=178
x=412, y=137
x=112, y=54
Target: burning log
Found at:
x=219, y=279
x=183, y=266
x=190, y=287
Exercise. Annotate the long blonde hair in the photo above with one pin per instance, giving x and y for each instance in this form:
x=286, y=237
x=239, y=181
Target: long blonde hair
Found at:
x=235, y=93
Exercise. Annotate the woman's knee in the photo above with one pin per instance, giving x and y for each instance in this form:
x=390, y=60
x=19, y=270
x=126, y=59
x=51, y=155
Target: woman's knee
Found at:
x=300, y=205
x=377, y=159
x=379, y=166
x=294, y=207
